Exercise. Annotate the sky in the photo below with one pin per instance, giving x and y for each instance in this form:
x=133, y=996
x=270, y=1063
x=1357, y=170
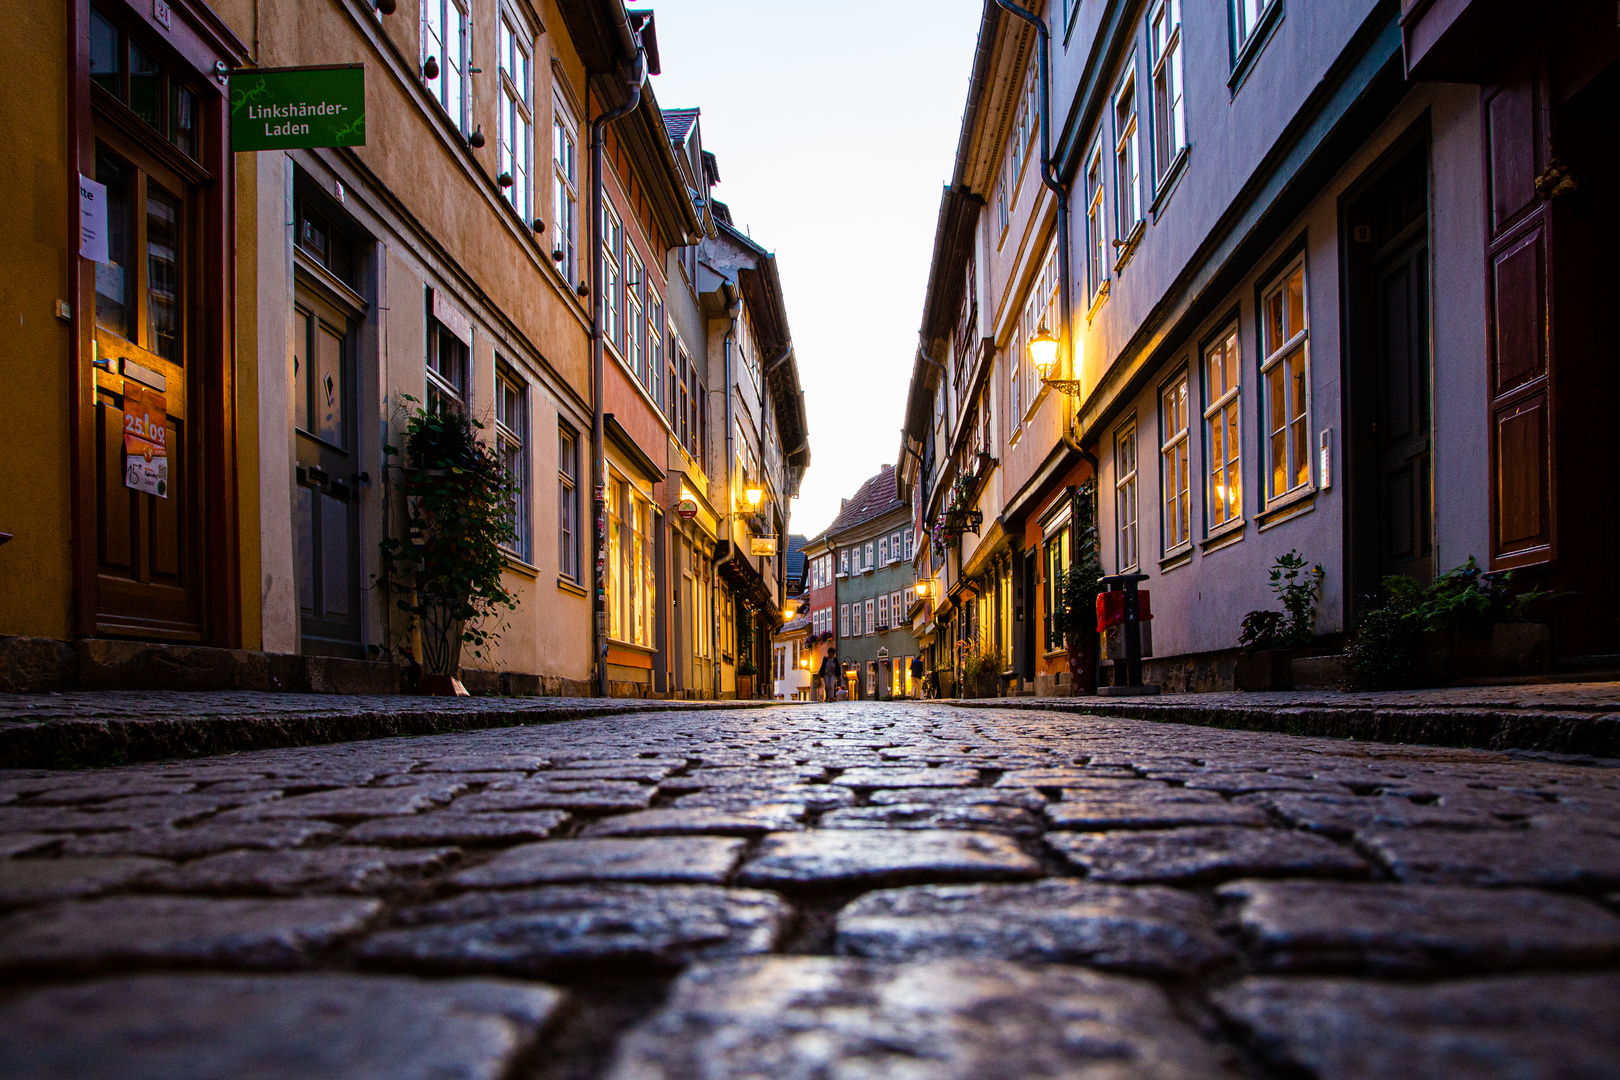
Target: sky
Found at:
x=834, y=125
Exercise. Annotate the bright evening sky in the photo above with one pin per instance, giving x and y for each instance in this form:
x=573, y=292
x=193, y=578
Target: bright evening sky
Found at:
x=834, y=124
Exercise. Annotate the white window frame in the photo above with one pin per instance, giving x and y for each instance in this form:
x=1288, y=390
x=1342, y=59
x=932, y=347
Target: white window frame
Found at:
x=568, y=503
x=855, y=619
x=1247, y=17
x=612, y=278
x=871, y=611
x=895, y=612
x=1096, y=224
x=635, y=282
x=655, y=344
x=870, y=564
x=894, y=547
x=516, y=129
x=1288, y=362
x=883, y=551
x=1175, y=463
x=911, y=542
x=883, y=611
x=1223, y=428
x=511, y=444
x=565, y=193
x=1169, y=107
x=843, y=563
x=450, y=47
x=843, y=620
x=1040, y=311
x=1127, y=156
x=1127, y=502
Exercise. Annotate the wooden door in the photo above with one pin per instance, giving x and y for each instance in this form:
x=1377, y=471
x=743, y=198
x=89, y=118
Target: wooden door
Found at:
x=149, y=563
x=326, y=490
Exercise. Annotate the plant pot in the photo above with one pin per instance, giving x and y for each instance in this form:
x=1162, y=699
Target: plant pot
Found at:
x=441, y=686
x=1267, y=669
x=984, y=684
x=1083, y=666
x=1499, y=649
x=745, y=686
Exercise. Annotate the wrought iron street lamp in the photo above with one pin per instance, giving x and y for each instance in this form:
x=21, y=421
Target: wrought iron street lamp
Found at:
x=1043, y=353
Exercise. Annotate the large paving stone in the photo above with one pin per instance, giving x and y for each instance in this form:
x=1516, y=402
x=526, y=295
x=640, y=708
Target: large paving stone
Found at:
x=273, y=1027
x=326, y=870
x=703, y=860
x=1142, y=929
x=1022, y=797
x=1344, y=815
x=819, y=1018
x=352, y=804
x=605, y=797
x=102, y=817
x=203, y=839
x=1416, y=929
x=1542, y=1027
x=534, y=931
x=1204, y=854
x=147, y=931
x=697, y=820
x=640, y=772
x=989, y=816
x=895, y=777
x=13, y=844
x=813, y=797
x=865, y=856
x=1071, y=776
x=1171, y=808
x=31, y=881
x=453, y=827
x=1558, y=857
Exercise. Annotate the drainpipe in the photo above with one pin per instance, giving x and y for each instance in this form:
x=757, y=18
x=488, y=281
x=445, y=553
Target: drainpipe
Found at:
x=633, y=82
x=733, y=313
x=1061, y=193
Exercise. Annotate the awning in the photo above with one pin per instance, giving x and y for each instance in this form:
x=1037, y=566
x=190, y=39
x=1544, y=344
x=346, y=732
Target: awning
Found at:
x=630, y=450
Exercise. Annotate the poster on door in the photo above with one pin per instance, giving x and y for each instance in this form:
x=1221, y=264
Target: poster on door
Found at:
x=146, y=455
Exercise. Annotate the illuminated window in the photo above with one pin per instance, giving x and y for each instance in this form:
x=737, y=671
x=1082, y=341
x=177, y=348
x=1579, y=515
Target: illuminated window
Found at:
x=1223, y=383
x=1285, y=383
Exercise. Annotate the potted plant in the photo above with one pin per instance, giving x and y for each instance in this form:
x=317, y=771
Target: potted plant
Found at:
x=981, y=670
x=1077, y=594
x=448, y=566
x=745, y=678
x=1270, y=640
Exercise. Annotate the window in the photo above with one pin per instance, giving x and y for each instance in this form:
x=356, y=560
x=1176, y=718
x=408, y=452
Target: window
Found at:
x=511, y=436
x=517, y=113
x=564, y=195
x=447, y=359
x=634, y=282
x=655, y=344
x=1125, y=495
x=871, y=676
x=329, y=246
x=612, y=277
x=630, y=599
x=896, y=612
x=1096, y=225
x=855, y=619
x=135, y=77
x=843, y=563
x=1222, y=380
x=444, y=56
x=1127, y=166
x=1247, y=15
x=869, y=563
x=871, y=627
x=910, y=597
x=567, y=503
x=883, y=611
x=883, y=551
x=1055, y=556
x=1285, y=380
x=1173, y=463
x=1169, y=112
x=911, y=540
x=894, y=547
x=843, y=620
x=1002, y=218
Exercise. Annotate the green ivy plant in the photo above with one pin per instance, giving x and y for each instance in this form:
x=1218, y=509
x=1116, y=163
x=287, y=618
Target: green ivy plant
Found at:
x=1298, y=586
x=458, y=517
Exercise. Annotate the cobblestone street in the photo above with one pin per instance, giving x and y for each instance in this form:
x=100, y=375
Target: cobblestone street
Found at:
x=850, y=891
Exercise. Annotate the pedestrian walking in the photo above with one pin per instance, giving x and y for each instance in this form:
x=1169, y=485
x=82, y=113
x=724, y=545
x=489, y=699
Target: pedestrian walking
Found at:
x=917, y=674
x=829, y=672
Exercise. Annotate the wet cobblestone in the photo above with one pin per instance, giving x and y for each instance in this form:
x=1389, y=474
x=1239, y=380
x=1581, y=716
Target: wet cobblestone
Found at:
x=854, y=890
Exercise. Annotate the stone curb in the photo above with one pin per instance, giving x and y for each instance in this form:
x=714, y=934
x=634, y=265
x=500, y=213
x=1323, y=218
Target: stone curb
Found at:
x=1552, y=731
x=100, y=741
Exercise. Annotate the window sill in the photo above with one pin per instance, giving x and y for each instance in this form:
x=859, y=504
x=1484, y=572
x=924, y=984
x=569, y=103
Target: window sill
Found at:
x=1176, y=559
x=1246, y=57
x=1126, y=248
x=1229, y=533
x=1168, y=183
x=569, y=585
x=518, y=566
x=632, y=646
x=1097, y=302
x=1289, y=506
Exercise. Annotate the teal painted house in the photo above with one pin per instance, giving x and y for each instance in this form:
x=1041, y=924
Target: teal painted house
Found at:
x=871, y=543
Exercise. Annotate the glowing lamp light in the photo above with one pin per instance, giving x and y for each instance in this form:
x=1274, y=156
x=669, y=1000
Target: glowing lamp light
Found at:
x=754, y=495
x=805, y=663
x=1043, y=351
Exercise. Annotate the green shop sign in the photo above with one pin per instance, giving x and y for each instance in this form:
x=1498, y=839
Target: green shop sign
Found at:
x=298, y=108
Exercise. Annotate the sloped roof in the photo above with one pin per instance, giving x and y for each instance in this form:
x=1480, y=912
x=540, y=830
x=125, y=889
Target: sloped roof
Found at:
x=678, y=122
x=878, y=496
x=795, y=556
x=802, y=622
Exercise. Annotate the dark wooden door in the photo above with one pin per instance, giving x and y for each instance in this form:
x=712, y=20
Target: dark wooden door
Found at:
x=326, y=502
x=148, y=551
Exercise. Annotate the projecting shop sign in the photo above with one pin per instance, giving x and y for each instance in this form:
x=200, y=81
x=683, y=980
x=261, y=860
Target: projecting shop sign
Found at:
x=298, y=108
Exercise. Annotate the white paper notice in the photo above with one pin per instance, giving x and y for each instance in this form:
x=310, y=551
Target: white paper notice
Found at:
x=93, y=220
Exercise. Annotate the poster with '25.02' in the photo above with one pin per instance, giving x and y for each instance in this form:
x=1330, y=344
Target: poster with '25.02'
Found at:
x=146, y=454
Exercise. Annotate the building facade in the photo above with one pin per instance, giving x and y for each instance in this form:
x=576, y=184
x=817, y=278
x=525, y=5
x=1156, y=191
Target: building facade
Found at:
x=1310, y=271
x=821, y=608
x=284, y=312
x=870, y=543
